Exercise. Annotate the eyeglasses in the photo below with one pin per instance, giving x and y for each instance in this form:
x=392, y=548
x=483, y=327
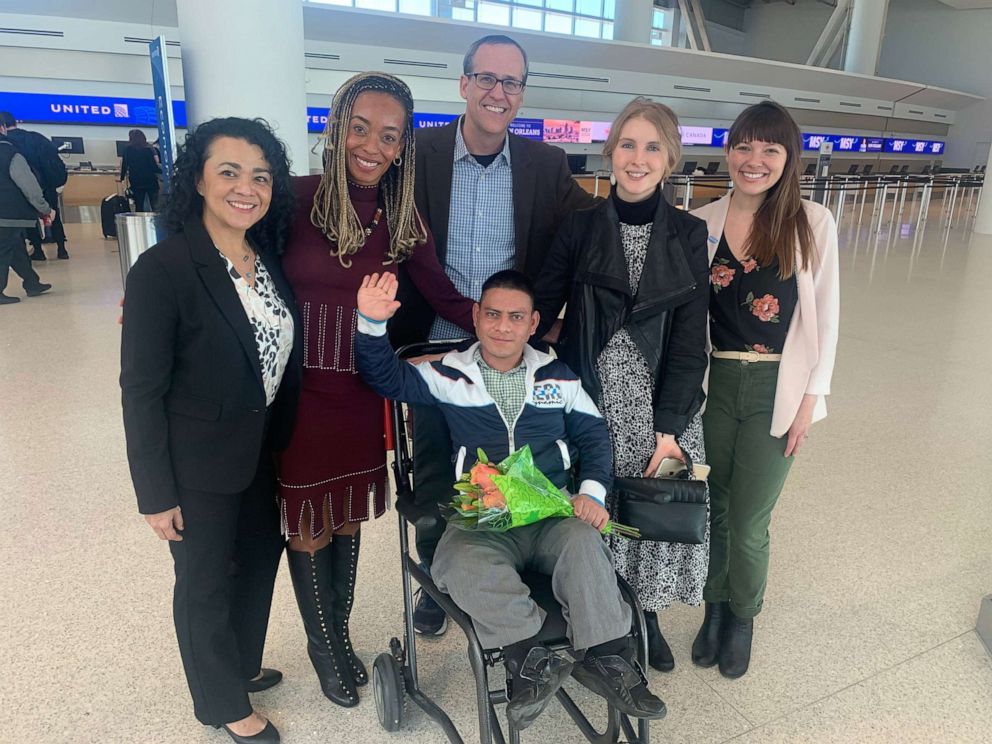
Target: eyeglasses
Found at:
x=511, y=86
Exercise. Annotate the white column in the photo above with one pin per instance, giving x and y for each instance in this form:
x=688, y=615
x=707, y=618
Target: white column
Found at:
x=245, y=58
x=983, y=217
x=633, y=20
x=865, y=40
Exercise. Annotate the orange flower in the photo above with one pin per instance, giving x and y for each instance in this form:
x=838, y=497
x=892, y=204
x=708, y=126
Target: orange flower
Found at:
x=482, y=474
x=493, y=498
x=721, y=276
x=749, y=265
x=765, y=308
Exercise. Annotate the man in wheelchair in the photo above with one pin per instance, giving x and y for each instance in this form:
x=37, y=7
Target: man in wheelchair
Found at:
x=501, y=394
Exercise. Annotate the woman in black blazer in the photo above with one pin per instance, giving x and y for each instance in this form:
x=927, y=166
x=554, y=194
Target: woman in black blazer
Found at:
x=210, y=377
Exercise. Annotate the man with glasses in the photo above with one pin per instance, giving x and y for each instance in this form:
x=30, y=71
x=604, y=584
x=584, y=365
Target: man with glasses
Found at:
x=493, y=201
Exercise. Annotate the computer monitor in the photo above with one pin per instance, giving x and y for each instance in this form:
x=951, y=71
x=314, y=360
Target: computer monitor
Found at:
x=69, y=145
x=121, y=147
x=852, y=169
x=904, y=170
x=810, y=170
x=712, y=167
x=925, y=171
x=867, y=170
x=894, y=169
x=689, y=167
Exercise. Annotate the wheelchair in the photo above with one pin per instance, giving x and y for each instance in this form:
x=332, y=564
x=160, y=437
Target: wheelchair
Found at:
x=395, y=673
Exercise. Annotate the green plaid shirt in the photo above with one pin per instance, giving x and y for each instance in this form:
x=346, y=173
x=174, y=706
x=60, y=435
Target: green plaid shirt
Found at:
x=508, y=389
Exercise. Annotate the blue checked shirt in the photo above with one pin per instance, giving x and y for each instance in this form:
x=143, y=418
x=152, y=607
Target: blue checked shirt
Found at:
x=480, y=225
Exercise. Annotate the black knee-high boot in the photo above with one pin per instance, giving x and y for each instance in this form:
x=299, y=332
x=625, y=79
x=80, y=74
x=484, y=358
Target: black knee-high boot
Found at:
x=312, y=581
x=344, y=558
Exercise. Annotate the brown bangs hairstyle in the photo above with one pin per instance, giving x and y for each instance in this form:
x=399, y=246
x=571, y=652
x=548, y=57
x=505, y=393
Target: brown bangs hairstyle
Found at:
x=333, y=213
x=658, y=114
x=781, y=218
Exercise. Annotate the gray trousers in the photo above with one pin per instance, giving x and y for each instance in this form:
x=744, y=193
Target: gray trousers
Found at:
x=481, y=573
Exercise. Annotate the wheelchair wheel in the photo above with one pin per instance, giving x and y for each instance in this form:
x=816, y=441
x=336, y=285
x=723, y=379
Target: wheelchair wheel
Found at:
x=388, y=688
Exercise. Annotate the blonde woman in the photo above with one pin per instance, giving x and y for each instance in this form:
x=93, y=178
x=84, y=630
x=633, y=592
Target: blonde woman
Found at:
x=774, y=307
x=357, y=218
x=633, y=271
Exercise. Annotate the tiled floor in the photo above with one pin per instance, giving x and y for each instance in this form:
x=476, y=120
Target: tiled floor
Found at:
x=882, y=543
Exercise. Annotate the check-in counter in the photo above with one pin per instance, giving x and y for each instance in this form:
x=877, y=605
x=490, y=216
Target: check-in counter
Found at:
x=86, y=188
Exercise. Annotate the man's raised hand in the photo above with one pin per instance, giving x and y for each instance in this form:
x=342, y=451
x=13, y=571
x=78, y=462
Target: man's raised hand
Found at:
x=377, y=297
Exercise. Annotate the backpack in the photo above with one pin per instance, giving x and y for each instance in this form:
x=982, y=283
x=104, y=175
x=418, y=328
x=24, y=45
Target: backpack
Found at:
x=52, y=168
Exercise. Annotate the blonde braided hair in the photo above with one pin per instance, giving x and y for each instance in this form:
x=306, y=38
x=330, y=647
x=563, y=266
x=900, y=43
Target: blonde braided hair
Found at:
x=333, y=213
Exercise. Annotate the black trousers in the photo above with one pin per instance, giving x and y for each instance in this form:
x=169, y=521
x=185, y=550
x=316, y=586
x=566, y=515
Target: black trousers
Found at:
x=58, y=229
x=140, y=195
x=226, y=567
x=13, y=255
x=433, y=472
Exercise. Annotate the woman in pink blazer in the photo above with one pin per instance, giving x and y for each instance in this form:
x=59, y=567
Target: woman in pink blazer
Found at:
x=774, y=307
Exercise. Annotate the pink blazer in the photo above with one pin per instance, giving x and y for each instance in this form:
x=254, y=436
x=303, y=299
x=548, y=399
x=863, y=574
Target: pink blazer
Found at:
x=810, y=346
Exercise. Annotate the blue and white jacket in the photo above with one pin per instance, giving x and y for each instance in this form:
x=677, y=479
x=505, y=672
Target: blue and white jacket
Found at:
x=558, y=420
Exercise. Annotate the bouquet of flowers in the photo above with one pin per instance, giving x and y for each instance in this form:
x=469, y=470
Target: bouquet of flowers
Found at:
x=498, y=497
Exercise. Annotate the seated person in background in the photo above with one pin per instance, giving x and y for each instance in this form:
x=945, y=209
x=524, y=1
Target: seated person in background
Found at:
x=487, y=394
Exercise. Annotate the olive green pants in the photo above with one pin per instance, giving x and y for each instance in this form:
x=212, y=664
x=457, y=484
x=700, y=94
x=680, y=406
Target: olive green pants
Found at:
x=748, y=471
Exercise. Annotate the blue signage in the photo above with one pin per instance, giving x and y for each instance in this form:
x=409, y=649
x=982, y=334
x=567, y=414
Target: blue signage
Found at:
x=163, y=109
x=316, y=119
x=873, y=144
x=48, y=108
x=529, y=128
x=423, y=121
x=720, y=137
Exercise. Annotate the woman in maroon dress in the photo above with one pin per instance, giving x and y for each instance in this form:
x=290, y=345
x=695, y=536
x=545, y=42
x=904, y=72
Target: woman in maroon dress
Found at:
x=356, y=219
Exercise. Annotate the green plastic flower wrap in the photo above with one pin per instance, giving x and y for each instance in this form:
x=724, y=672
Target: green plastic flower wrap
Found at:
x=510, y=494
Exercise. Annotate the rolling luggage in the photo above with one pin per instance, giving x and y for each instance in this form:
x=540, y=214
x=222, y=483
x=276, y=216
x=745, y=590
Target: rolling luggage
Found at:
x=112, y=206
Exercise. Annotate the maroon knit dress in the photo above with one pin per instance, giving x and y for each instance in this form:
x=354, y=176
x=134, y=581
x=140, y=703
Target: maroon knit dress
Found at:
x=336, y=453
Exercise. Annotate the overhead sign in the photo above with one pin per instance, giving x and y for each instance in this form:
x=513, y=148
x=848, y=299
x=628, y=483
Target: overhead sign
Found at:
x=48, y=108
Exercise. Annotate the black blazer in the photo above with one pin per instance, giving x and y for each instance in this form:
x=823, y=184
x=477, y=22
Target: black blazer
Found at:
x=191, y=382
x=544, y=193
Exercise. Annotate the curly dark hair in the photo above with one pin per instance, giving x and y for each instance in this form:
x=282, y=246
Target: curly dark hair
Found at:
x=185, y=203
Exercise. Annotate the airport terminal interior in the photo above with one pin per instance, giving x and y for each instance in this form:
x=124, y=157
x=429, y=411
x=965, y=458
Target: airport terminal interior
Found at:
x=873, y=627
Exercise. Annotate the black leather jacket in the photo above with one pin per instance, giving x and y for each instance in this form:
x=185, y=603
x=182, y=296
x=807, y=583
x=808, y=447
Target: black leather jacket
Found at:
x=666, y=318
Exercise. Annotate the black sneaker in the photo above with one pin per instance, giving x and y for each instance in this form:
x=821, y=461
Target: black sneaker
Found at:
x=37, y=290
x=531, y=682
x=63, y=253
x=429, y=618
x=8, y=300
x=38, y=255
x=618, y=679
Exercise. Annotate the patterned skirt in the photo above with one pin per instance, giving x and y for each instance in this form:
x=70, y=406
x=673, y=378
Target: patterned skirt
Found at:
x=660, y=573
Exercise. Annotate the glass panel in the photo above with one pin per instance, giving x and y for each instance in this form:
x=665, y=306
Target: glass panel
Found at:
x=461, y=14
x=416, y=7
x=529, y=19
x=386, y=5
x=585, y=27
x=607, y=30
x=565, y=5
x=659, y=19
x=609, y=10
x=533, y=3
x=558, y=24
x=498, y=15
x=346, y=3
x=589, y=7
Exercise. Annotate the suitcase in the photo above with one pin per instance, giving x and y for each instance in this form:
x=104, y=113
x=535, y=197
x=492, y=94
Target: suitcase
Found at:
x=112, y=206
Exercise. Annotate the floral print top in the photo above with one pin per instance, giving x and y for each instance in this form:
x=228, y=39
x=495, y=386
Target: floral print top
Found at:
x=750, y=306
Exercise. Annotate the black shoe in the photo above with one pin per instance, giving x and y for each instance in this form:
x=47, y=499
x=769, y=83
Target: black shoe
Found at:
x=63, y=253
x=8, y=300
x=429, y=618
x=268, y=735
x=534, y=675
x=659, y=653
x=311, y=576
x=706, y=647
x=37, y=290
x=735, y=647
x=269, y=678
x=38, y=255
x=619, y=680
x=344, y=563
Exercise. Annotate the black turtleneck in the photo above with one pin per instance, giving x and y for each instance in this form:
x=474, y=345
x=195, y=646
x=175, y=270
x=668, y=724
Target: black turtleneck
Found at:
x=636, y=213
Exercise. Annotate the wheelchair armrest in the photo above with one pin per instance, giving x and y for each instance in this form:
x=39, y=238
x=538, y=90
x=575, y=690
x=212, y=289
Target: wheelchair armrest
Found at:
x=422, y=517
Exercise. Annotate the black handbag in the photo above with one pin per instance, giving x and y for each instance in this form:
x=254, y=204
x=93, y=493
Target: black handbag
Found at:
x=664, y=509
